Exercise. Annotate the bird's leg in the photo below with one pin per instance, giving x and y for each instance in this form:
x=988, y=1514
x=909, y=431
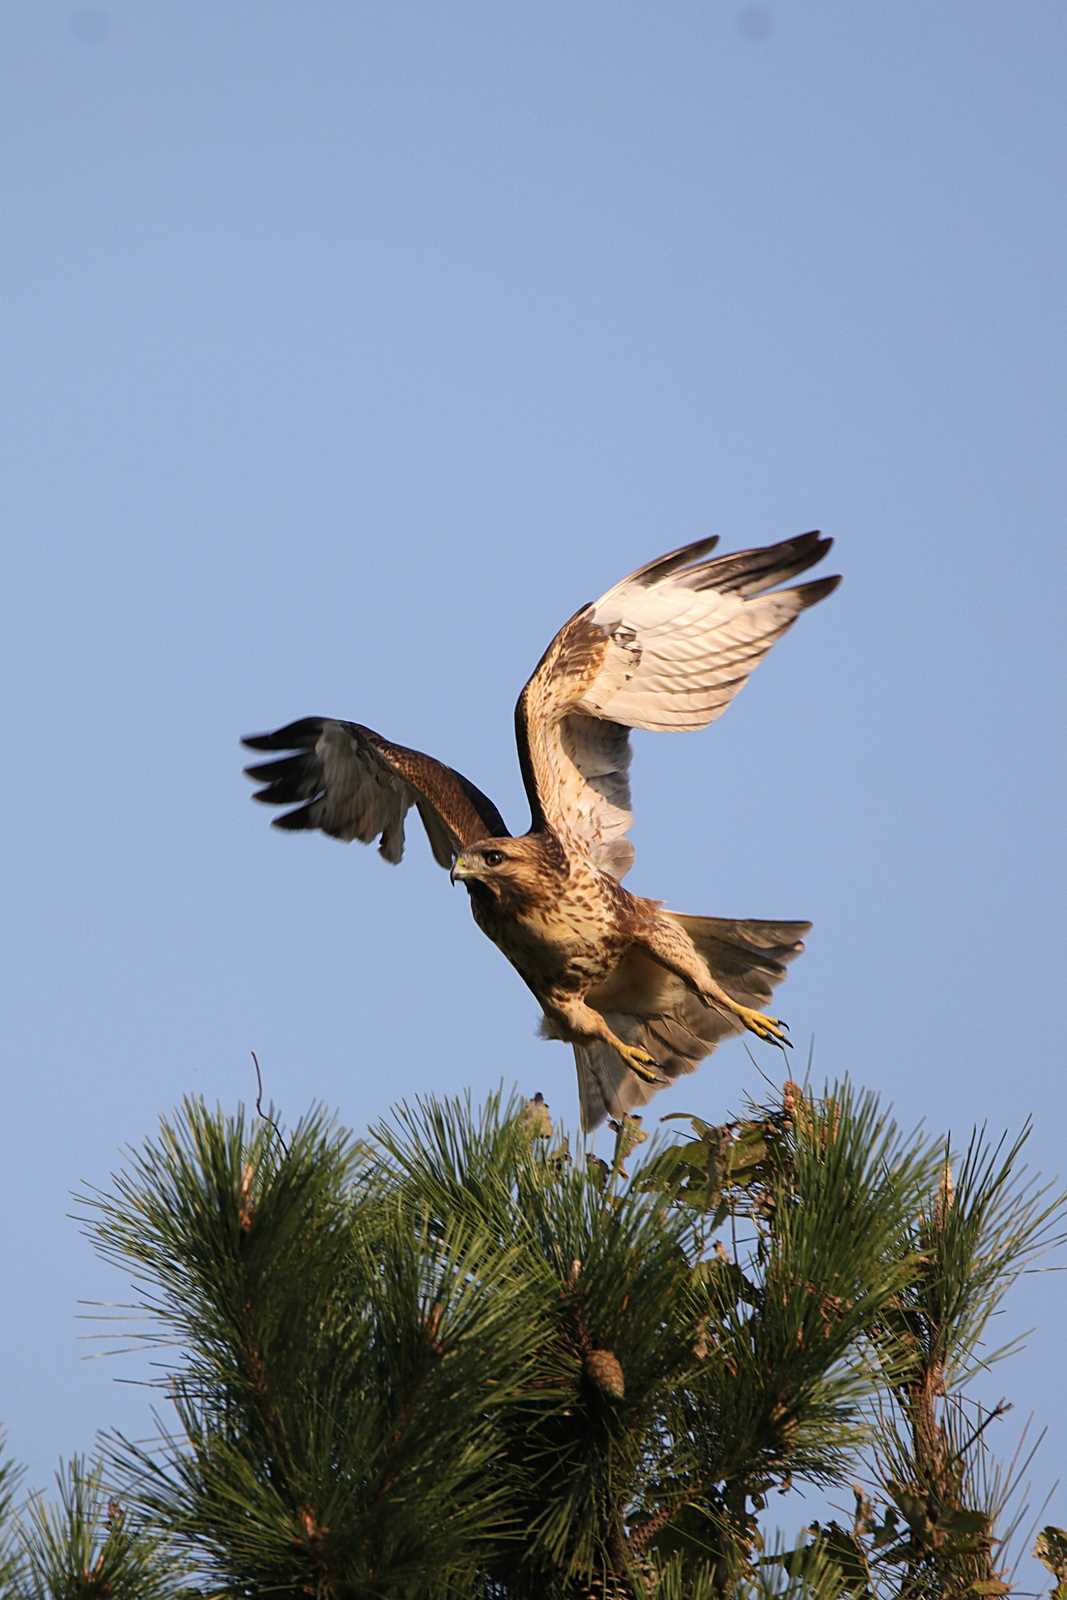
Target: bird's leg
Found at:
x=671, y=946
x=581, y=1023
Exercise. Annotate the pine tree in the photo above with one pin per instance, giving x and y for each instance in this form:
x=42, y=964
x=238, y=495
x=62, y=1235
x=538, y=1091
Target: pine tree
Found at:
x=454, y=1360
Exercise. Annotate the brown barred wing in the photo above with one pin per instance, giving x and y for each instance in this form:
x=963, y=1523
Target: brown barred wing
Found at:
x=350, y=782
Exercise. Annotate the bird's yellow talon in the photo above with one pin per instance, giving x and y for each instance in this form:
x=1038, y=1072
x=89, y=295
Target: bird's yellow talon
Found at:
x=772, y=1028
x=642, y=1063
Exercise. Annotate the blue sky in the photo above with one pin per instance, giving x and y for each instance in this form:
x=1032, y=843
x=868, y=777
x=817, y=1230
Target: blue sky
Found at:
x=349, y=348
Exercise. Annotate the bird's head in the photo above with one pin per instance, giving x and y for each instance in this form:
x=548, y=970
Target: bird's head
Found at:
x=504, y=870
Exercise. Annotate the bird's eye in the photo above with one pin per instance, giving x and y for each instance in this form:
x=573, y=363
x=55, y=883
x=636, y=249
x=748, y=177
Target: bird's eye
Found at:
x=492, y=858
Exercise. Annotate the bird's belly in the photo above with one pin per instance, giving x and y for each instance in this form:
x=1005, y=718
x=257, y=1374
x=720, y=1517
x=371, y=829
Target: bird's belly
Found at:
x=635, y=984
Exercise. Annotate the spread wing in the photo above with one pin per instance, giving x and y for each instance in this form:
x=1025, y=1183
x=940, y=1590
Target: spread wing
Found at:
x=666, y=649
x=356, y=785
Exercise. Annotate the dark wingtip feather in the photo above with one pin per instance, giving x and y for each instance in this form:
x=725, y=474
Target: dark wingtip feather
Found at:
x=292, y=821
x=752, y=572
x=662, y=566
x=299, y=766
x=813, y=592
x=285, y=792
x=300, y=735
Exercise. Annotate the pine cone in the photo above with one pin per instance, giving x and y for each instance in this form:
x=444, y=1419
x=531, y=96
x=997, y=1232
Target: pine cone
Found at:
x=610, y=1586
x=604, y=1586
x=602, y=1366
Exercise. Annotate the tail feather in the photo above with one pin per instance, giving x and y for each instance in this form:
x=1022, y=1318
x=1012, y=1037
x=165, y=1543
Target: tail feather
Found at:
x=669, y=1021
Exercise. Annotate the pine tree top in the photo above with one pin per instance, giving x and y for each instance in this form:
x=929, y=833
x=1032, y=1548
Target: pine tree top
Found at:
x=457, y=1358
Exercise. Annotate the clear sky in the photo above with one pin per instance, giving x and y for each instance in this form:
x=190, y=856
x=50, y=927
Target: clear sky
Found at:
x=348, y=348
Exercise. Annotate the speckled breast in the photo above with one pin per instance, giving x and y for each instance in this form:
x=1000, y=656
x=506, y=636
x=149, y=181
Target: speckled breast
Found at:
x=569, y=940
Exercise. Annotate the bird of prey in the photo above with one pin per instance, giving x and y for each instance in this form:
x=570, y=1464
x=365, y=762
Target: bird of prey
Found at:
x=643, y=994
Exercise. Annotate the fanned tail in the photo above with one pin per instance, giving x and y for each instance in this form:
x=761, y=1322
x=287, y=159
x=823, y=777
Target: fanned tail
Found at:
x=664, y=1017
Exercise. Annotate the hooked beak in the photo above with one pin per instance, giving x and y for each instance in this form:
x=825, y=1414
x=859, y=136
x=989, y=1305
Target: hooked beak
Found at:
x=459, y=870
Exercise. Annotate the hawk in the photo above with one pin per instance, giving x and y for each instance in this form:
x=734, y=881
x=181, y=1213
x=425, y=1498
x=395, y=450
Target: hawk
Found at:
x=643, y=994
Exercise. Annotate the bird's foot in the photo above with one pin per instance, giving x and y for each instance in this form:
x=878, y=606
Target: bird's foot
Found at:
x=639, y=1061
x=772, y=1028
